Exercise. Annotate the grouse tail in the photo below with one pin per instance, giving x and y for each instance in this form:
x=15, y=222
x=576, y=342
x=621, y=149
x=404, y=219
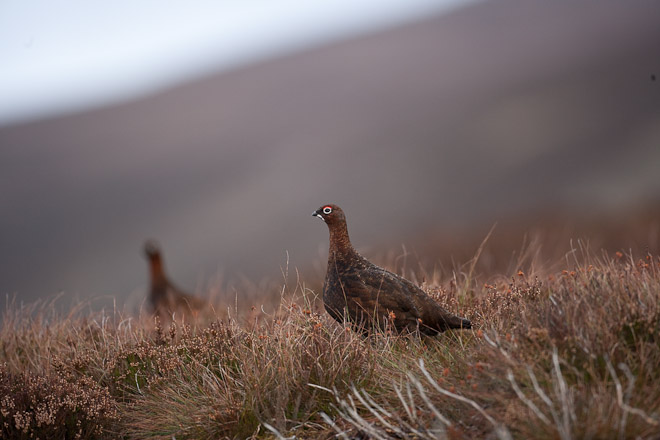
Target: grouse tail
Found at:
x=454, y=322
x=465, y=324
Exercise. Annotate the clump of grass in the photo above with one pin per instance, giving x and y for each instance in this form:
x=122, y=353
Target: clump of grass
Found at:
x=554, y=354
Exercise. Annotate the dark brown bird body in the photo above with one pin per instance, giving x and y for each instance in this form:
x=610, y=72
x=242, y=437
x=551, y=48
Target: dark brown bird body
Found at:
x=367, y=295
x=165, y=299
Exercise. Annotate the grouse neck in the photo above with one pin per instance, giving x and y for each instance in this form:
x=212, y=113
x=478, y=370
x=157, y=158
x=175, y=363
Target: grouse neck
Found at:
x=156, y=269
x=340, y=244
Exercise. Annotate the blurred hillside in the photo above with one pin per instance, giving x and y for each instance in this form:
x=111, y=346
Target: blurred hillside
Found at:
x=512, y=112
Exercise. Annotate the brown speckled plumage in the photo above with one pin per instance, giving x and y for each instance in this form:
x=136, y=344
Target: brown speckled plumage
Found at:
x=165, y=299
x=371, y=295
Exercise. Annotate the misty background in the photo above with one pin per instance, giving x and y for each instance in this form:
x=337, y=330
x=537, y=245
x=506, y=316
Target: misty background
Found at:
x=427, y=123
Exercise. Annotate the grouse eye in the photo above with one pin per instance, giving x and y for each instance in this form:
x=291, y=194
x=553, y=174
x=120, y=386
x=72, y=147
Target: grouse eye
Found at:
x=327, y=210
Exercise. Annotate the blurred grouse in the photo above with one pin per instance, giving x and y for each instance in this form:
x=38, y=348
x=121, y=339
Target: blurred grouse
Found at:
x=165, y=299
x=370, y=295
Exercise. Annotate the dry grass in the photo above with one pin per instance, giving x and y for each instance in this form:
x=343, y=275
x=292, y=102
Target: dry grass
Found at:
x=570, y=353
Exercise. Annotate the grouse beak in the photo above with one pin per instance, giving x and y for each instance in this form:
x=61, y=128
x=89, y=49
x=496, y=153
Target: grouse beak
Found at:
x=317, y=214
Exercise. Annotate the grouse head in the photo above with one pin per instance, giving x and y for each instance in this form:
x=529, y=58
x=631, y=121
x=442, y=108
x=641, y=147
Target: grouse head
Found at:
x=331, y=214
x=151, y=249
x=334, y=217
x=155, y=261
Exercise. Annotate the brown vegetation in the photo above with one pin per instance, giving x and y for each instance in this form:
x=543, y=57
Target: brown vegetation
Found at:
x=569, y=353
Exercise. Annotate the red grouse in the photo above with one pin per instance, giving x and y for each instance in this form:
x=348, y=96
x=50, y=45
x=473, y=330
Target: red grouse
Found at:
x=367, y=295
x=165, y=299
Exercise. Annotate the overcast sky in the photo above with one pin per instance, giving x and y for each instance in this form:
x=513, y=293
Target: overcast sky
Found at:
x=67, y=55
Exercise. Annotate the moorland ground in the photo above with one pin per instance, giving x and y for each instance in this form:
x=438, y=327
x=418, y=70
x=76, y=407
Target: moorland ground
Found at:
x=563, y=350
